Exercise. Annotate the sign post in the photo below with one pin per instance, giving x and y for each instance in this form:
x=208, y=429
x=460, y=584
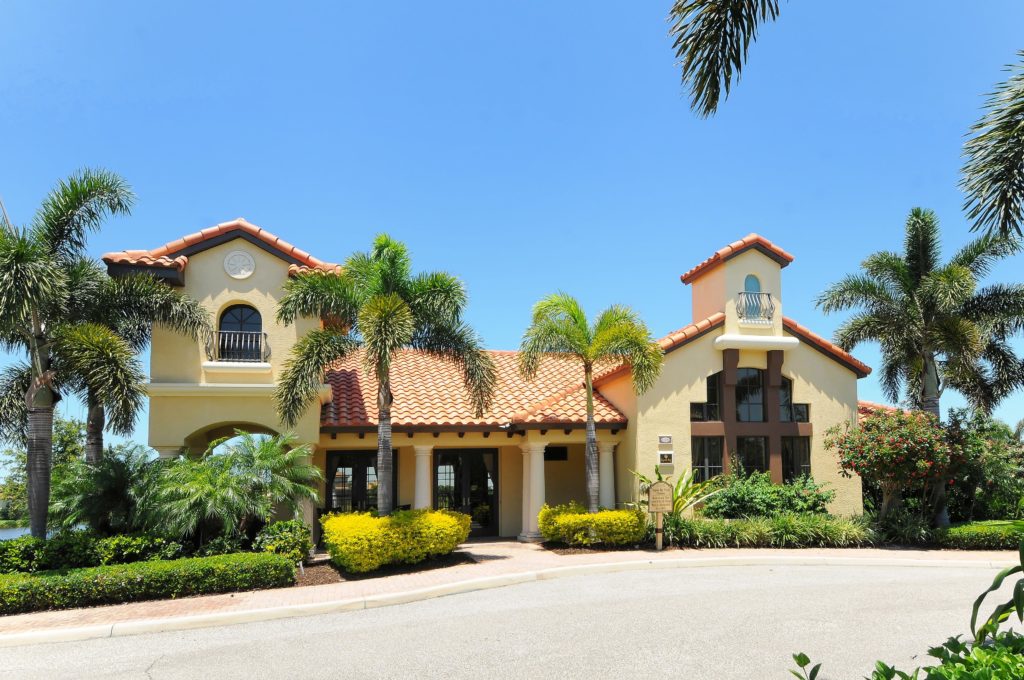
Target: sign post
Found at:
x=659, y=501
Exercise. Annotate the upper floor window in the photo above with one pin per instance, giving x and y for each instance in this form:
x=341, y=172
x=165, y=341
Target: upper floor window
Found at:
x=750, y=395
x=240, y=335
x=709, y=410
x=788, y=411
x=751, y=284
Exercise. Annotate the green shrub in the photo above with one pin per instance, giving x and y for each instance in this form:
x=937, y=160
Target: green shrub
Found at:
x=993, y=535
x=290, y=538
x=755, y=495
x=904, y=527
x=573, y=525
x=780, y=531
x=222, y=545
x=143, y=581
x=79, y=549
x=359, y=542
x=127, y=548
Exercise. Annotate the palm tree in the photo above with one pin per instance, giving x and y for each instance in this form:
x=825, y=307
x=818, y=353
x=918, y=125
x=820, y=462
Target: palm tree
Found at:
x=935, y=326
x=115, y=495
x=130, y=306
x=560, y=328
x=711, y=39
x=238, y=481
x=41, y=267
x=376, y=305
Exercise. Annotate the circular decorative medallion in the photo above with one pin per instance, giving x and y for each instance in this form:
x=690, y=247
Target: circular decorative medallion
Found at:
x=239, y=264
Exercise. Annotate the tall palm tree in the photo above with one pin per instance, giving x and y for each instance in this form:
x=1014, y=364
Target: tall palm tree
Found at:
x=376, y=305
x=130, y=306
x=560, y=328
x=41, y=267
x=935, y=326
x=711, y=39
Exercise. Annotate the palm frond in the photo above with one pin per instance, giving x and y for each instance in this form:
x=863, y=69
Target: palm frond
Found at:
x=856, y=290
x=387, y=325
x=328, y=297
x=711, y=39
x=981, y=253
x=559, y=326
x=106, y=366
x=946, y=289
x=14, y=383
x=437, y=297
x=620, y=334
x=31, y=280
x=993, y=172
x=923, y=249
x=304, y=371
x=131, y=305
x=77, y=206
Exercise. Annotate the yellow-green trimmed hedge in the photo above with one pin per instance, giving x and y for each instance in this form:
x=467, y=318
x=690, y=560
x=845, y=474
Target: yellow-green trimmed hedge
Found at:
x=143, y=581
x=990, y=535
x=573, y=525
x=359, y=542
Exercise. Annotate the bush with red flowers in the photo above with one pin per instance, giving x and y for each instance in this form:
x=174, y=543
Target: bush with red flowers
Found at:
x=898, y=450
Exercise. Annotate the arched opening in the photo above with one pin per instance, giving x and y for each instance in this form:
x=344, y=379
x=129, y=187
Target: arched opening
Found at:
x=755, y=305
x=240, y=335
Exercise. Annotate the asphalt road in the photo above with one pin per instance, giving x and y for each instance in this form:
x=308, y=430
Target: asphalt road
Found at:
x=732, y=622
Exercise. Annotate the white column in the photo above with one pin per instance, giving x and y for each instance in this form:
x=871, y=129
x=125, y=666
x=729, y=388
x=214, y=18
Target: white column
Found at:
x=525, y=526
x=536, y=484
x=606, y=474
x=421, y=498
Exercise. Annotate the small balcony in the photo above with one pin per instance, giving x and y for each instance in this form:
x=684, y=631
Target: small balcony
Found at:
x=755, y=308
x=239, y=347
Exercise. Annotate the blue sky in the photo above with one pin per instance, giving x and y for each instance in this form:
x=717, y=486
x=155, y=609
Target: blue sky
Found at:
x=526, y=147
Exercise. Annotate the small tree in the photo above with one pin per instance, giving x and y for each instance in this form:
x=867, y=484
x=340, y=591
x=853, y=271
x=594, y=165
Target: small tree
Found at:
x=898, y=450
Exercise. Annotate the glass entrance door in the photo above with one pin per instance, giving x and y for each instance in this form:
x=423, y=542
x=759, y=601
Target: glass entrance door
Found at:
x=351, y=482
x=466, y=480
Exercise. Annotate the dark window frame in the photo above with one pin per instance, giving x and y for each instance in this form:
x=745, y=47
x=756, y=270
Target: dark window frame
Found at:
x=791, y=467
x=701, y=458
x=711, y=408
x=742, y=455
x=746, y=406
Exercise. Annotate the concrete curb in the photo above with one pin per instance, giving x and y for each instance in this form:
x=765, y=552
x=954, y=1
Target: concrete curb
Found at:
x=179, y=623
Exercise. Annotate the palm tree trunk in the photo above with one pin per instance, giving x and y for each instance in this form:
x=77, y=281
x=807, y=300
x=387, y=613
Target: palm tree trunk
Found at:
x=930, y=395
x=590, y=459
x=40, y=449
x=94, y=424
x=384, y=453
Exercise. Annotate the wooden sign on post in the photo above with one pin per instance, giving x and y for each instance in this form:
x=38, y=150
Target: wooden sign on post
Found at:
x=659, y=501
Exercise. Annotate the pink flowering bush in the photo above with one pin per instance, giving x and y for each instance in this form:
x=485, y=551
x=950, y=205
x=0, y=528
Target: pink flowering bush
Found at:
x=898, y=450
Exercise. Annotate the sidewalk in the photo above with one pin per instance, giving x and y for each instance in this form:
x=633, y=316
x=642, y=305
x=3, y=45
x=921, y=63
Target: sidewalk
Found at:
x=494, y=564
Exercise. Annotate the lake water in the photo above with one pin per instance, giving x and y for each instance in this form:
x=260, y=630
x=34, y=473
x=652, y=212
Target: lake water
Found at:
x=12, y=533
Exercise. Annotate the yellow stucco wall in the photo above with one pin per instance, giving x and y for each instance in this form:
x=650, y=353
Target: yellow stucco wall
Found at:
x=735, y=272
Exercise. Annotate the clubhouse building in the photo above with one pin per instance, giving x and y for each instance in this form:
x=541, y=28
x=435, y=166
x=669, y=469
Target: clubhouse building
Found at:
x=741, y=381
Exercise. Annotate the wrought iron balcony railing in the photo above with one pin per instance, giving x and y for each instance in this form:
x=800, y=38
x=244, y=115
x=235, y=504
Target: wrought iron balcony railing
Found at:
x=756, y=307
x=238, y=346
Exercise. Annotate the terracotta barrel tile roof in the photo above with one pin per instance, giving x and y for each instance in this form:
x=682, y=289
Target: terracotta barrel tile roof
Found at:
x=164, y=256
x=687, y=333
x=734, y=249
x=860, y=368
x=429, y=391
x=866, y=408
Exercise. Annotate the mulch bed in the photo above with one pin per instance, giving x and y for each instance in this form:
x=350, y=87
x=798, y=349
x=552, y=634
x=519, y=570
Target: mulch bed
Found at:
x=325, y=572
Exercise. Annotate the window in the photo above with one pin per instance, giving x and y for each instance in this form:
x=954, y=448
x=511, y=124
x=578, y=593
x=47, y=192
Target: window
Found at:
x=788, y=411
x=752, y=453
x=751, y=284
x=240, y=334
x=796, y=457
x=556, y=453
x=750, y=395
x=706, y=457
x=700, y=412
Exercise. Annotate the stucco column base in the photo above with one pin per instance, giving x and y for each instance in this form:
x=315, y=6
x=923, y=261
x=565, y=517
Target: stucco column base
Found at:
x=530, y=537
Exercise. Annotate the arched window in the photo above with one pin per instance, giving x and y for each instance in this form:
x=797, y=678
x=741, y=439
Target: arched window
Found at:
x=751, y=284
x=240, y=334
